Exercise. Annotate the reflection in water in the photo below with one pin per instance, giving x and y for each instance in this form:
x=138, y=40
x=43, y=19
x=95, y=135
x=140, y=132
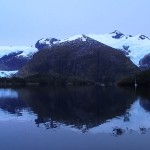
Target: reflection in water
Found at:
x=138, y=120
x=22, y=115
x=80, y=108
x=87, y=109
x=10, y=102
x=8, y=93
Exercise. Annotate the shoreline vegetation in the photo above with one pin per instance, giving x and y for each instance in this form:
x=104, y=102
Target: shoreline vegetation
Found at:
x=142, y=79
x=43, y=80
x=49, y=80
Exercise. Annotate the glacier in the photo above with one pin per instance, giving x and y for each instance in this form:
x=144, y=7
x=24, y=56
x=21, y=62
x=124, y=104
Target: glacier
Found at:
x=7, y=73
x=135, y=46
x=26, y=50
x=23, y=52
x=138, y=46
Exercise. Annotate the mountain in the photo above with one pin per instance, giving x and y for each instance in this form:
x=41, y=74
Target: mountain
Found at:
x=80, y=56
x=136, y=47
x=12, y=58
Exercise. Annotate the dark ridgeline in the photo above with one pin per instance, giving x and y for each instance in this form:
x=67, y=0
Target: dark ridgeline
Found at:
x=83, y=57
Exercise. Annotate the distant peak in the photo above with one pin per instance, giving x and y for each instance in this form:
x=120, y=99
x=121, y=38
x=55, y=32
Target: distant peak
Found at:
x=143, y=37
x=117, y=34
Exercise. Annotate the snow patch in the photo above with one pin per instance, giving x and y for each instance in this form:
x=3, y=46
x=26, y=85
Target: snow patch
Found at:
x=80, y=36
x=138, y=48
x=22, y=116
x=45, y=41
x=26, y=50
x=7, y=73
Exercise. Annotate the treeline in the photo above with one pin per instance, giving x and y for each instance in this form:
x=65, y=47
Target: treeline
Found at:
x=142, y=79
x=44, y=79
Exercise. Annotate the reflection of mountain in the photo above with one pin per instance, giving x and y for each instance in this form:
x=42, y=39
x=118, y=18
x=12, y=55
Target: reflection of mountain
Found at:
x=93, y=109
x=135, y=119
x=8, y=93
x=82, y=108
x=9, y=101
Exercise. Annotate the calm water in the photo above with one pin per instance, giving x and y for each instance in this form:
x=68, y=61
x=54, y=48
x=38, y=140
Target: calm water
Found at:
x=83, y=118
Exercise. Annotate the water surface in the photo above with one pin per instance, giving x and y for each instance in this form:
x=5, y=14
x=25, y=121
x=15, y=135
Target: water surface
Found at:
x=86, y=118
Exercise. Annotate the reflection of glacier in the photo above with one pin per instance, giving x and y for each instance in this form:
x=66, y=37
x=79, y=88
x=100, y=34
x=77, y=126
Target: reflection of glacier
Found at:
x=135, y=119
x=24, y=115
x=8, y=93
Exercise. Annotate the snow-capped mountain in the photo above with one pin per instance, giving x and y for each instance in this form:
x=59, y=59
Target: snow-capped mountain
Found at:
x=83, y=57
x=135, y=47
x=12, y=58
x=49, y=42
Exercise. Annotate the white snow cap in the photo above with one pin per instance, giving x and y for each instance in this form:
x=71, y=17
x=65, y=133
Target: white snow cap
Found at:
x=26, y=50
x=44, y=41
x=7, y=73
x=138, y=46
x=79, y=36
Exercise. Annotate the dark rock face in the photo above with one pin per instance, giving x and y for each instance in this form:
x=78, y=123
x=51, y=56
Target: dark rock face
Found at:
x=88, y=59
x=145, y=103
x=45, y=43
x=126, y=49
x=13, y=61
x=143, y=37
x=130, y=35
x=117, y=34
x=145, y=62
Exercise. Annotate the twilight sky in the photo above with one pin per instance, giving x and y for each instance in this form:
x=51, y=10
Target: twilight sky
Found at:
x=23, y=22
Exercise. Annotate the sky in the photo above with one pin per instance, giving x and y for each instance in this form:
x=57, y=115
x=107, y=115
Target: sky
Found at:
x=23, y=22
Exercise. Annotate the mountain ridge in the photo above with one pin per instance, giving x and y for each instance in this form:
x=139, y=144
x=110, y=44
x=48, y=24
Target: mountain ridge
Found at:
x=135, y=47
x=83, y=57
